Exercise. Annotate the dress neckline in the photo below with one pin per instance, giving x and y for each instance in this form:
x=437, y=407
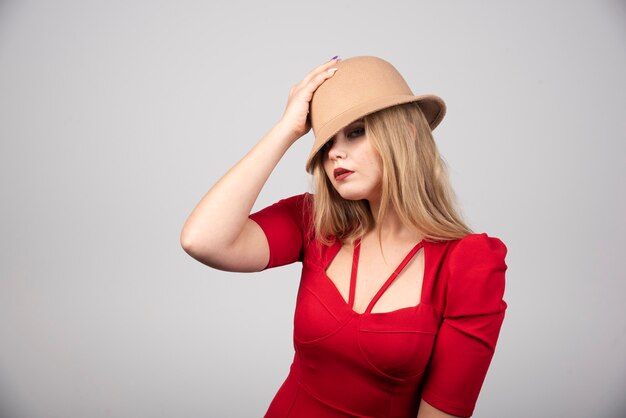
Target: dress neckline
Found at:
x=336, y=247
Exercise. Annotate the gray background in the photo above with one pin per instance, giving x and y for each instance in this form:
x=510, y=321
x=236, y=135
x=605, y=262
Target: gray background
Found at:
x=116, y=117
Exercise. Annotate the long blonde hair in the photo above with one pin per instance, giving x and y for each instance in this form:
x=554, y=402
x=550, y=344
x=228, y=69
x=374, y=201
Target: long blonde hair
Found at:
x=415, y=183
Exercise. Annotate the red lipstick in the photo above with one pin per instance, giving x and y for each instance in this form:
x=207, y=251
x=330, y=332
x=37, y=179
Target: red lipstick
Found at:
x=341, y=173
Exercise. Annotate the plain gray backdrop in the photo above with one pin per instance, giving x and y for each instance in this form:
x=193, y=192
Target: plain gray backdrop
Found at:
x=116, y=117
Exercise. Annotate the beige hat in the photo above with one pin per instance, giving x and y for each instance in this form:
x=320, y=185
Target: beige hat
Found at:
x=360, y=86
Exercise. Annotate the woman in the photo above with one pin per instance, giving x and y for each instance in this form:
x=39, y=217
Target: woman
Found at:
x=400, y=304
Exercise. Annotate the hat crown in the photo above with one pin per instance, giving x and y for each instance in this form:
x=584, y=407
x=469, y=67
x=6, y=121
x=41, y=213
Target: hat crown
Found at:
x=358, y=80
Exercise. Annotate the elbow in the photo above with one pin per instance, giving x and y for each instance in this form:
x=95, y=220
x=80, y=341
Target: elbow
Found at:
x=192, y=248
x=190, y=243
x=186, y=240
x=203, y=251
x=186, y=245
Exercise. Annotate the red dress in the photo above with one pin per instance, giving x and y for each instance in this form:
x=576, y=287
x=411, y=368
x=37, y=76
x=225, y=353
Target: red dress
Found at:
x=348, y=364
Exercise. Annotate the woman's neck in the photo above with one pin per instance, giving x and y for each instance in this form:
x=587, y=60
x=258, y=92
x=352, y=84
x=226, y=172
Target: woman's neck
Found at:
x=391, y=226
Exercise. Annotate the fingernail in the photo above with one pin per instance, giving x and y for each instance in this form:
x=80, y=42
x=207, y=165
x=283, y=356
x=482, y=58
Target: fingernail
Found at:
x=335, y=57
x=332, y=70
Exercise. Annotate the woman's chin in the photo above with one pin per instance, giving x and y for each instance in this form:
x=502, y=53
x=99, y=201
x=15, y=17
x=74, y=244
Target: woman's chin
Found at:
x=347, y=194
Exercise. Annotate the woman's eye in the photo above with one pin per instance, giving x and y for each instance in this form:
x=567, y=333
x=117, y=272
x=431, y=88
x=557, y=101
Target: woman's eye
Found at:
x=328, y=145
x=357, y=132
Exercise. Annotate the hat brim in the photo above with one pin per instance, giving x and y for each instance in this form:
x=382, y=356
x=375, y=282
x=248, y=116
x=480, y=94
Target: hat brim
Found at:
x=432, y=106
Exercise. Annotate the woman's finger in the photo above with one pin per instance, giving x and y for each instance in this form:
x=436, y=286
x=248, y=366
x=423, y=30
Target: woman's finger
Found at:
x=319, y=70
x=309, y=88
x=310, y=84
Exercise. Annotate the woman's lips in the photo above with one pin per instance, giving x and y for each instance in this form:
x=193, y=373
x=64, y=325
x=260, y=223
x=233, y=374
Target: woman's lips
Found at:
x=341, y=173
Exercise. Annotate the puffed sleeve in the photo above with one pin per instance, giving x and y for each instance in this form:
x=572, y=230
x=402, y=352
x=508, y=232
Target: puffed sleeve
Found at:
x=286, y=225
x=472, y=319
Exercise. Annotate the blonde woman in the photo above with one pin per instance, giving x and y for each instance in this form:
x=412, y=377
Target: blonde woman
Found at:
x=400, y=304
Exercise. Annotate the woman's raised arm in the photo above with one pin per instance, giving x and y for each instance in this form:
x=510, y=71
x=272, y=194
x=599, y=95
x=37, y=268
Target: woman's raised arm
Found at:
x=218, y=231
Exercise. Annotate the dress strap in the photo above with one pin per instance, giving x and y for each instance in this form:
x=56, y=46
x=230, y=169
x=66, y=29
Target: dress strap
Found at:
x=393, y=276
x=355, y=264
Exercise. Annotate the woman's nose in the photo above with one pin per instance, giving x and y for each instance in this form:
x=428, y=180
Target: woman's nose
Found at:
x=336, y=151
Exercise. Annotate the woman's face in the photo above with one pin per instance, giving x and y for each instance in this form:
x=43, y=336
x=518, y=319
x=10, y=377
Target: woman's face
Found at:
x=352, y=165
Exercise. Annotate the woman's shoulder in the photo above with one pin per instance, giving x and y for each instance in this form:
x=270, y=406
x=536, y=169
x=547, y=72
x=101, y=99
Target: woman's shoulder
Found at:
x=478, y=244
x=473, y=271
x=472, y=250
x=298, y=208
x=470, y=241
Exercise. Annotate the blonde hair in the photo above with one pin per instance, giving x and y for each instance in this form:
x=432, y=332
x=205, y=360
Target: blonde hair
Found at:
x=415, y=183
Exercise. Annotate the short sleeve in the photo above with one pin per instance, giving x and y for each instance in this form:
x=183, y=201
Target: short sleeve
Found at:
x=285, y=224
x=472, y=319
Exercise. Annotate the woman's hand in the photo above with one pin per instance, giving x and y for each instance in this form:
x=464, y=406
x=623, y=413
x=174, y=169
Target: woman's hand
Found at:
x=295, y=119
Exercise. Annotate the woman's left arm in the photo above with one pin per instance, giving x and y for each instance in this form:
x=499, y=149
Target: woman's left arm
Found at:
x=472, y=317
